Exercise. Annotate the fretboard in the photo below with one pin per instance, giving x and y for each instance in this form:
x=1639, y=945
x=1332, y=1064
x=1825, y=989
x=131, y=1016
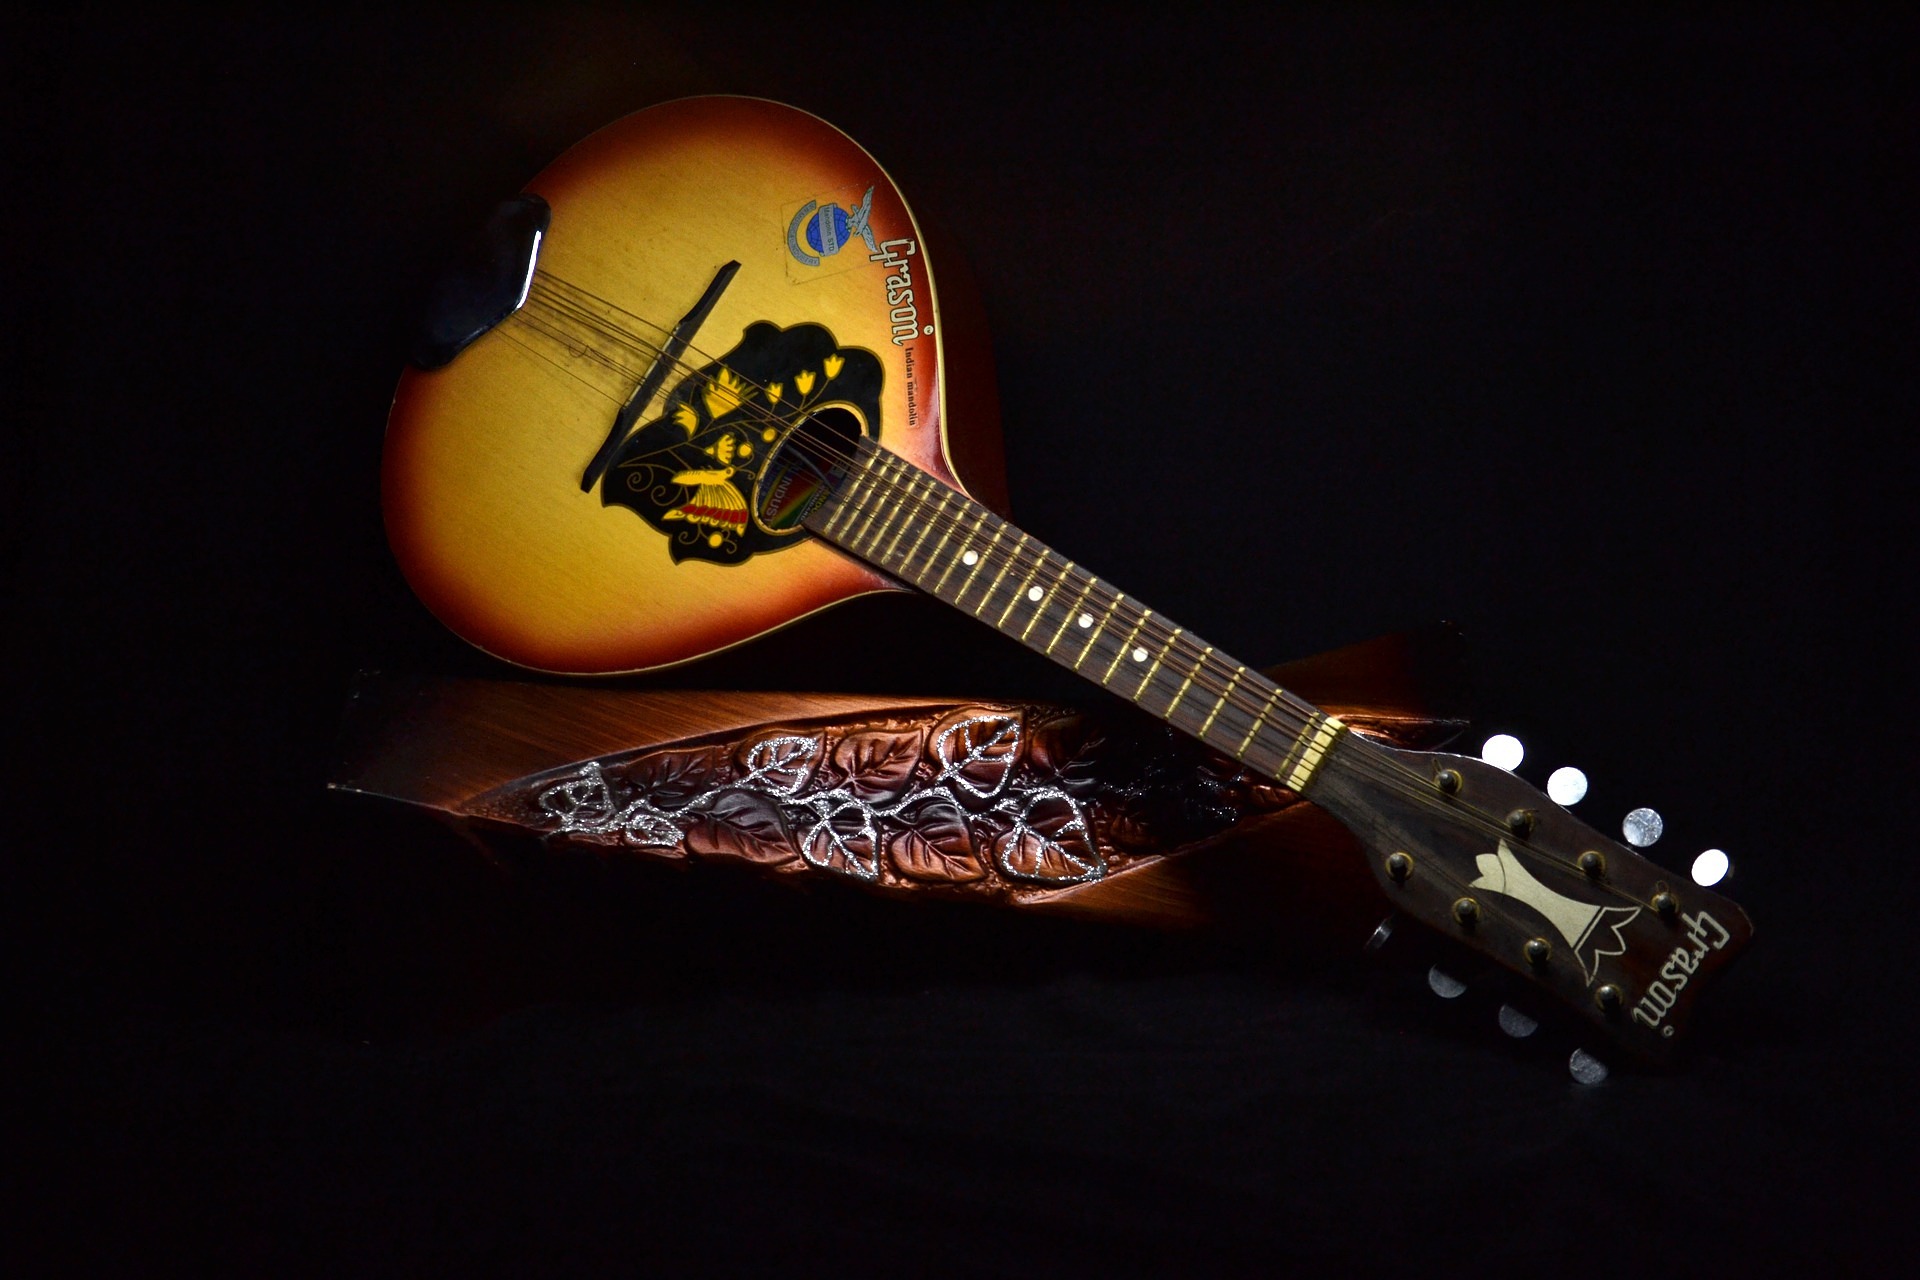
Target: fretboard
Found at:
x=911, y=526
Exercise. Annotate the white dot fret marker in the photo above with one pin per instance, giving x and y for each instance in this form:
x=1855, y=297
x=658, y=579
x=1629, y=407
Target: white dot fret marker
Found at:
x=1034, y=593
x=1086, y=619
x=969, y=556
x=1139, y=654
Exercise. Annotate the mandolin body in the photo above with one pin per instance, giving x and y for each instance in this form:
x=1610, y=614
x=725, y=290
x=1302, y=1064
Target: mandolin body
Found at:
x=835, y=303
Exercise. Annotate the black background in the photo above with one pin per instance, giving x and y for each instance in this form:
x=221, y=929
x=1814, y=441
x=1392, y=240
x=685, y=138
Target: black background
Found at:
x=1591, y=334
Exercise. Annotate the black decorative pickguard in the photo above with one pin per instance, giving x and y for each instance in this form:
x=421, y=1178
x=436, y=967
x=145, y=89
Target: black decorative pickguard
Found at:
x=690, y=473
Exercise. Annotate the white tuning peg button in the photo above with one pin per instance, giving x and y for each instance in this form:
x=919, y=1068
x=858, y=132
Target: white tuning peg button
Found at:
x=1642, y=827
x=1517, y=1024
x=1503, y=751
x=1586, y=1068
x=1444, y=984
x=1566, y=785
x=1711, y=867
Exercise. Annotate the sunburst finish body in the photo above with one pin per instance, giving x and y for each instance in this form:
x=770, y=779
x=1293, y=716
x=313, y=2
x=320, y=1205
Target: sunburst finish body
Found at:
x=484, y=458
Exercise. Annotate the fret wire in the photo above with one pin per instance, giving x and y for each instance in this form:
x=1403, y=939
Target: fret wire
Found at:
x=1259, y=722
x=941, y=496
x=866, y=484
x=1276, y=743
x=1006, y=563
x=1021, y=590
x=1072, y=610
x=1047, y=599
x=1125, y=645
x=1098, y=629
x=1225, y=694
x=884, y=478
x=999, y=528
x=916, y=497
x=926, y=527
x=907, y=510
x=1192, y=671
x=899, y=510
x=955, y=559
x=1172, y=640
x=854, y=535
x=849, y=504
x=1295, y=748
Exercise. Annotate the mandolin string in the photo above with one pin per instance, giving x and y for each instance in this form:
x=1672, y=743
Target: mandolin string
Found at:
x=1383, y=769
x=1257, y=707
x=1150, y=630
x=1366, y=758
x=1147, y=630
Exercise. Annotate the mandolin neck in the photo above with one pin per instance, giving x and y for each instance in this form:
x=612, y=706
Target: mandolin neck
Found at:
x=904, y=522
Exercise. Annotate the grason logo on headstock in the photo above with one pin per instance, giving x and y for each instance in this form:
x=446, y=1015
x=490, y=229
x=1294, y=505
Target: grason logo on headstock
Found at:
x=1592, y=931
x=1704, y=934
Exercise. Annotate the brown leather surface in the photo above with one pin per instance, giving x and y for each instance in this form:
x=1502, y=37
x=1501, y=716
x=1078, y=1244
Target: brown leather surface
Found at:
x=1016, y=803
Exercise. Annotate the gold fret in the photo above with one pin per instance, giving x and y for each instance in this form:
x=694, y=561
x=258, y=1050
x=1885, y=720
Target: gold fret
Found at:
x=1124, y=643
x=1040, y=605
x=846, y=503
x=1156, y=664
x=1299, y=744
x=1013, y=600
x=1258, y=720
x=955, y=559
x=961, y=594
x=925, y=528
x=1004, y=566
x=1068, y=620
x=854, y=535
x=1093, y=632
x=1191, y=673
x=908, y=490
x=899, y=509
x=1224, y=695
x=1330, y=728
x=1021, y=590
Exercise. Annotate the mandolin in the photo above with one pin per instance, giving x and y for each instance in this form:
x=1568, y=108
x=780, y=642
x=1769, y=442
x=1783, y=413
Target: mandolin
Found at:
x=694, y=386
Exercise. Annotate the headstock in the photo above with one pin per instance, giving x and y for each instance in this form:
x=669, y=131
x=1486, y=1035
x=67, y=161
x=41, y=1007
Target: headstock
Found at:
x=1487, y=860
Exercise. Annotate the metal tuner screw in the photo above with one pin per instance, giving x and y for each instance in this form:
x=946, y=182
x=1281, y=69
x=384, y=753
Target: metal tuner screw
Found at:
x=1538, y=951
x=1594, y=863
x=1399, y=866
x=1467, y=912
x=1608, y=997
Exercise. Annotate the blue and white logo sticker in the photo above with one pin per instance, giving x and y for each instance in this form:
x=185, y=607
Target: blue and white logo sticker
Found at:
x=819, y=231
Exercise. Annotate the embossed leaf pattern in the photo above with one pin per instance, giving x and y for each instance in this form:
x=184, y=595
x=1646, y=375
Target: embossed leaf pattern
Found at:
x=1061, y=750
x=669, y=779
x=582, y=803
x=781, y=763
x=844, y=841
x=976, y=797
x=741, y=825
x=936, y=846
x=878, y=766
x=1049, y=844
x=976, y=749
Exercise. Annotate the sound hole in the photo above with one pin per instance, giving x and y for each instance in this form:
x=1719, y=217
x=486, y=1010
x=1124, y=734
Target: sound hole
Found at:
x=806, y=467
